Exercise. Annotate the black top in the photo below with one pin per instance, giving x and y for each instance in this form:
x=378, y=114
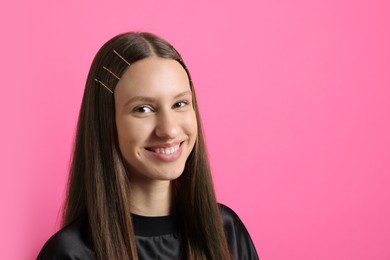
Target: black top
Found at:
x=156, y=238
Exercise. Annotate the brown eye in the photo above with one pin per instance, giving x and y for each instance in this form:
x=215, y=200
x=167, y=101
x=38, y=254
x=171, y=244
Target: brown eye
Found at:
x=143, y=109
x=180, y=104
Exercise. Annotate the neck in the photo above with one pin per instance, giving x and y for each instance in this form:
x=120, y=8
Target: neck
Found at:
x=151, y=198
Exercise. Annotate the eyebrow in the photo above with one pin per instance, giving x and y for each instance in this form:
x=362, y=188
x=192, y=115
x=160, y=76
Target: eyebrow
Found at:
x=150, y=99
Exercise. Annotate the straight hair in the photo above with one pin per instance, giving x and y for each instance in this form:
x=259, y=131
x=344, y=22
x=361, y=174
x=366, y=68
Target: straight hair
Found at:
x=98, y=186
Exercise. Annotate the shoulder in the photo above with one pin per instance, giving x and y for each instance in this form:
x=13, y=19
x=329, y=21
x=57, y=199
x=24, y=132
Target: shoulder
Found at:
x=239, y=240
x=229, y=217
x=68, y=243
x=231, y=221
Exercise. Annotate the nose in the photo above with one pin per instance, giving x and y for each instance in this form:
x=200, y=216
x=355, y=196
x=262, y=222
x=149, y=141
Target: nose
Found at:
x=167, y=125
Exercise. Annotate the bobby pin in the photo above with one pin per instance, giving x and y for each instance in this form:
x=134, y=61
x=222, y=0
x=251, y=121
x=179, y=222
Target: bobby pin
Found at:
x=101, y=83
x=112, y=73
x=128, y=63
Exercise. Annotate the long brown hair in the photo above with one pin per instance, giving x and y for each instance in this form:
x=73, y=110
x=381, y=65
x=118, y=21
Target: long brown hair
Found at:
x=98, y=185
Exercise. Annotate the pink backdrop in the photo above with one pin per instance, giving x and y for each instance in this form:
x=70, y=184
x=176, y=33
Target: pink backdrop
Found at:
x=295, y=99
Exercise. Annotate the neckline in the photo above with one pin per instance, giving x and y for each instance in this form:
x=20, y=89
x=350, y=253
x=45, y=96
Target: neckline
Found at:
x=154, y=226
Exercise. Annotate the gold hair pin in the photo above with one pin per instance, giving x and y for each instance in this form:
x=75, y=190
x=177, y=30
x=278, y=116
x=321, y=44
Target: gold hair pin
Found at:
x=112, y=73
x=101, y=83
x=128, y=63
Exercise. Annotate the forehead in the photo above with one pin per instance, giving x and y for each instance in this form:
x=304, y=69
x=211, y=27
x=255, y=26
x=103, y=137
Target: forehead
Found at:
x=152, y=76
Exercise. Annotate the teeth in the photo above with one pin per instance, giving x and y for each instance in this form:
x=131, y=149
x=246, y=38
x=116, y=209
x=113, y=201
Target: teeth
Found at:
x=169, y=150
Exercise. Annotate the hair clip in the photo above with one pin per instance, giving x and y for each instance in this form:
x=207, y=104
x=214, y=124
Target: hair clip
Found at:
x=101, y=83
x=112, y=73
x=128, y=63
x=104, y=85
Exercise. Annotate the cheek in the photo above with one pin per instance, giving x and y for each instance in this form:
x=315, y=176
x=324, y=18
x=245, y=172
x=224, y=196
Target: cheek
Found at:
x=131, y=131
x=122, y=130
x=191, y=124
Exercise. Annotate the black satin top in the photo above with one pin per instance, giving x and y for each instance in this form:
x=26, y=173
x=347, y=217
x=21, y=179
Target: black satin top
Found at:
x=156, y=238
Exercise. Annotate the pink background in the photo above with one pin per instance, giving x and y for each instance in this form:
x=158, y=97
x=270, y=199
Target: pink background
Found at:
x=295, y=100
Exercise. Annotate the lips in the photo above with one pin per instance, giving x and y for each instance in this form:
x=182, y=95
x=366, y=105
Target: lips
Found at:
x=166, y=152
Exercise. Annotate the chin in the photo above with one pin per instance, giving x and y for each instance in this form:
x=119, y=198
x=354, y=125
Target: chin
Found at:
x=171, y=176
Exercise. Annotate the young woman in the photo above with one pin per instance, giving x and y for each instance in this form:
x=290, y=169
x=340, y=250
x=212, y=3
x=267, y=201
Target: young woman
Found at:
x=140, y=184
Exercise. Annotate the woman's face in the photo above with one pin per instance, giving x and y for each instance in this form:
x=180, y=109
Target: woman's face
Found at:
x=156, y=122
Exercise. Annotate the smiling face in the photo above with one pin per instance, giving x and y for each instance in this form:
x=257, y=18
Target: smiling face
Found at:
x=155, y=119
